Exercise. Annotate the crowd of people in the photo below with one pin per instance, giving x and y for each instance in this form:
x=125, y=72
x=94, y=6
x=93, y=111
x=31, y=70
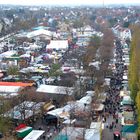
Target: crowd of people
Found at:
x=112, y=103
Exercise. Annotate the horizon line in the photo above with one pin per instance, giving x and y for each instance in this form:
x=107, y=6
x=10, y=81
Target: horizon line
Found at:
x=68, y=5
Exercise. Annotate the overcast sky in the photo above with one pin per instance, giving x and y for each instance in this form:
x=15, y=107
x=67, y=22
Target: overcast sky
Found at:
x=66, y=2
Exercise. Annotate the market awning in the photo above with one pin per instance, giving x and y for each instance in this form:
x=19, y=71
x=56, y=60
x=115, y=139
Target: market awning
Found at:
x=34, y=135
x=20, y=84
x=129, y=128
x=21, y=133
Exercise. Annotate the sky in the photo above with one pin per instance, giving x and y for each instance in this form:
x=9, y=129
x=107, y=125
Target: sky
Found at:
x=67, y=2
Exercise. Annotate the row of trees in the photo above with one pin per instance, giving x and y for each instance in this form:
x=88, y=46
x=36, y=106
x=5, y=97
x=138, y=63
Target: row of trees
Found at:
x=99, y=50
x=134, y=69
x=105, y=55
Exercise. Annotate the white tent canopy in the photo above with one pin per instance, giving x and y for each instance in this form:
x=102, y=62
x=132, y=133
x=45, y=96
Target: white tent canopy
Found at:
x=85, y=100
x=9, y=89
x=69, y=121
x=127, y=98
x=107, y=81
x=56, y=112
x=58, y=44
x=65, y=111
x=24, y=110
x=7, y=54
x=76, y=106
x=34, y=46
x=96, y=126
x=55, y=89
x=74, y=133
x=90, y=93
x=34, y=135
x=8, y=95
x=95, y=64
x=125, y=77
x=39, y=32
x=25, y=55
x=91, y=134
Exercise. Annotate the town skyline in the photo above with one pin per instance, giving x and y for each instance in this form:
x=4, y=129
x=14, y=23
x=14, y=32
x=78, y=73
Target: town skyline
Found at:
x=72, y=2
